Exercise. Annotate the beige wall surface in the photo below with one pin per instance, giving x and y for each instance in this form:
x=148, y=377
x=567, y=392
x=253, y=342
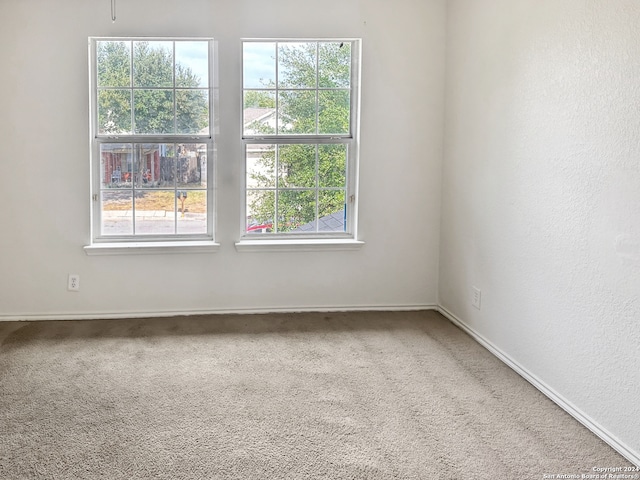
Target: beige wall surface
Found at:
x=45, y=162
x=541, y=194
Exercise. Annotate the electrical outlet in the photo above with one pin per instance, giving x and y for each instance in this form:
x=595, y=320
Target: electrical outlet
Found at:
x=74, y=282
x=476, y=296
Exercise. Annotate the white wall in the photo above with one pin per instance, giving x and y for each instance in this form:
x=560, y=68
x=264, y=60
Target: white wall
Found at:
x=541, y=194
x=45, y=168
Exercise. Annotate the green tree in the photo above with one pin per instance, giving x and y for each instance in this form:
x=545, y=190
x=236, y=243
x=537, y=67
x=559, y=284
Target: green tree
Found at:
x=114, y=104
x=153, y=107
x=303, y=171
x=259, y=99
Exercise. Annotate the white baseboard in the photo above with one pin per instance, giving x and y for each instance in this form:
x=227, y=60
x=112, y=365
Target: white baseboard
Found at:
x=561, y=401
x=29, y=317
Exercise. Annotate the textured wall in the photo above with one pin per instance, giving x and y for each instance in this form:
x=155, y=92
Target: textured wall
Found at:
x=541, y=193
x=45, y=165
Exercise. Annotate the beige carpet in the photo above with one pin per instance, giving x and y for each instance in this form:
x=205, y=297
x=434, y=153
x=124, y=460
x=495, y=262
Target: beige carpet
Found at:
x=373, y=395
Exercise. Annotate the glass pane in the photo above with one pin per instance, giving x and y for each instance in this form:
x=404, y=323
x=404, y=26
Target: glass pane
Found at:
x=296, y=112
x=115, y=165
x=166, y=176
x=192, y=111
x=202, y=158
x=332, y=211
x=295, y=209
x=189, y=165
x=259, y=64
x=153, y=111
x=261, y=163
x=192, y=64
x=154, y=165
x=332, y=165
x=297, y=65
x=260, y=211
x=259, y=112
x=265, y=99
x=334, y=111
x=114, y=63
x=117, y=208
x=114, y=112
x=192, y=211
x=334, y=64
x=155, y=212
x=296, y=166
x=152, y=64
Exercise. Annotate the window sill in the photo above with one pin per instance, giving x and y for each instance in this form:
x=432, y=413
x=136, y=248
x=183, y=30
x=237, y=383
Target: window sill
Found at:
x=151, y=248
x=300, y=245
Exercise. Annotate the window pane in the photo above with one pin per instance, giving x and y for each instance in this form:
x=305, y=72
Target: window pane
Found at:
x=152, y=64
x=259, y=64
x=154, y=165
x=155, y=212
x=304, y=172
x=114, y=112
x=332, y=165
x=296, y=112
x=334, y=64
x=297, y=65
x=259, y=112
x=192, y=211
x=114, y=63
x=153, y=111
x=192, y=64
x=261, y=164
x=296, y=166
x=334, y=111
x=192, y=111
x=331, y=210
x=295, y=208
x=189, y=165
x=117, y=212
x=148, y=174
x=115, y=165
x=260, y=211
x=166, y=177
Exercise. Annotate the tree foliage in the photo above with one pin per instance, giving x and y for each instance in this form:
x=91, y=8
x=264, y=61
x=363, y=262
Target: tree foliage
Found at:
x=259, y=99
x=151, y=86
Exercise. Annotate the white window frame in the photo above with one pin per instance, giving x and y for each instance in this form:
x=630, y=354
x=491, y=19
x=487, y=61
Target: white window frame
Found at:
x=148, y=243
x=312, y=240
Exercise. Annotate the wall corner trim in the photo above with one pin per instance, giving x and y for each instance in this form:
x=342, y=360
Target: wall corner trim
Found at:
x=561, y=401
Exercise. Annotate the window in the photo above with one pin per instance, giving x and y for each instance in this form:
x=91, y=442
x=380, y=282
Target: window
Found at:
x=299, y=138
x=152, y=146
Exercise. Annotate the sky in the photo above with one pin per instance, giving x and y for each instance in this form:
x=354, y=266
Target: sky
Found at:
x=259, y=60
x=259, y=63
x=193, y=54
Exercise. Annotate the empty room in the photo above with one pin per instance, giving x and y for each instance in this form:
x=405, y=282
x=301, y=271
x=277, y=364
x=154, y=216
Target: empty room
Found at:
x=339, y=239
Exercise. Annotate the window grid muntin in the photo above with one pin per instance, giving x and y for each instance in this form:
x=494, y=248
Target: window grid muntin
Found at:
x=134, y=148
x=347, y=188
x=353, y=78
x=132, y=88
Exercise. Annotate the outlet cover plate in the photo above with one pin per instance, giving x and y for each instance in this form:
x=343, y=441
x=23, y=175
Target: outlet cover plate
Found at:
x=73, y=284
x=476, y=297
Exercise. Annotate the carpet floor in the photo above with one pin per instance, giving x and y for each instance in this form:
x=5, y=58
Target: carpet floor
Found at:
x=370, y=395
